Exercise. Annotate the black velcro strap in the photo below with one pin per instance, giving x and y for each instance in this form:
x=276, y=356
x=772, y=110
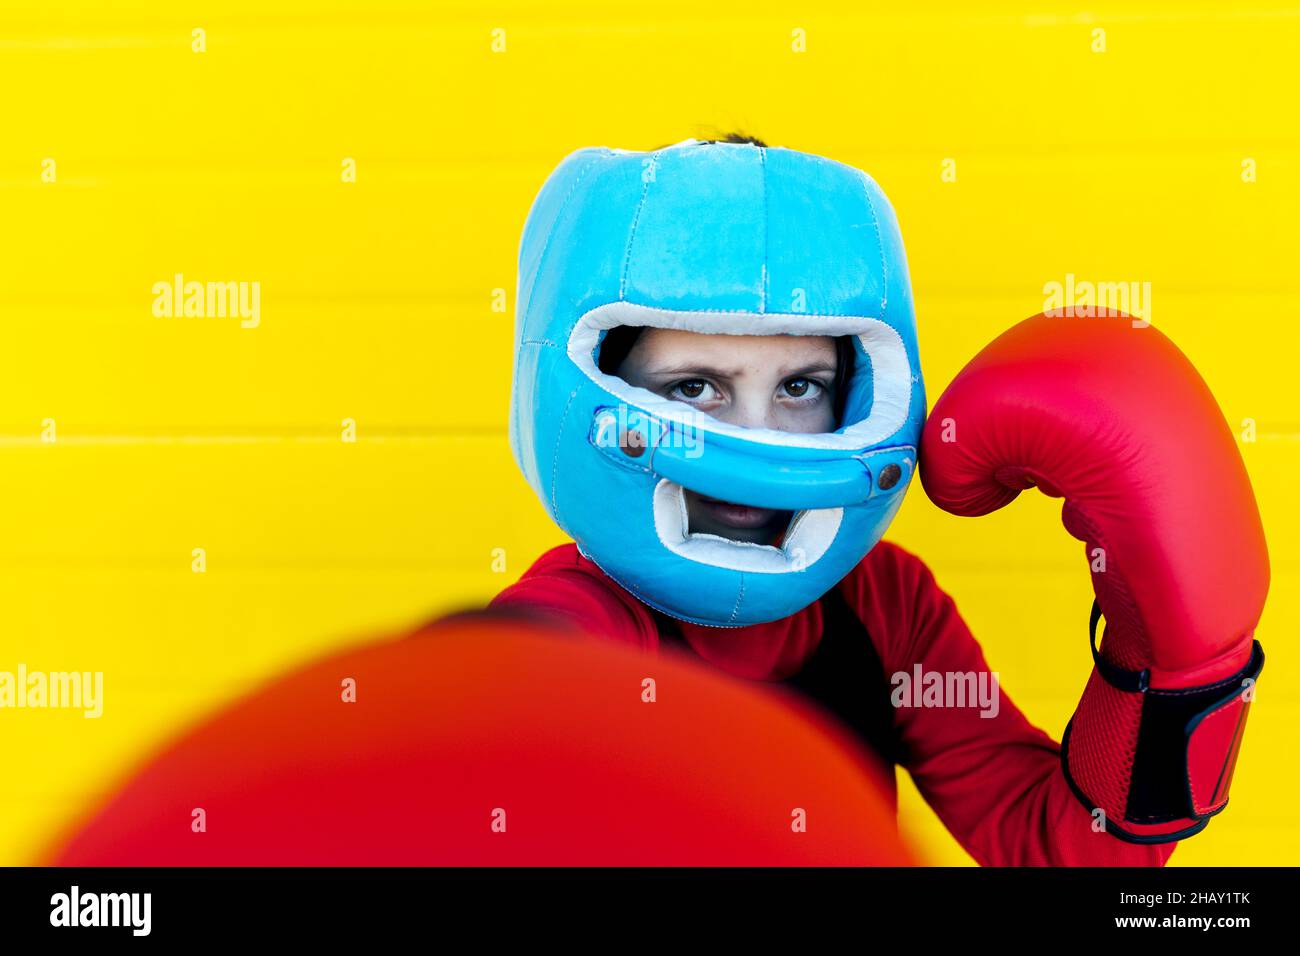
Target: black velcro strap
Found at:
x=1159, y=788
x=1160, y=785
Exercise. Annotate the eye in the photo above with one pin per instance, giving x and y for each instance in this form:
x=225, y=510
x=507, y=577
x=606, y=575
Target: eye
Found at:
x=803, y=388
x=692, y=390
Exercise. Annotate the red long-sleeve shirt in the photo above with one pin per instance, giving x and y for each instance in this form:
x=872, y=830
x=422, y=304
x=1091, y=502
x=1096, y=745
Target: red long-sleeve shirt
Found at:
x=996, y=782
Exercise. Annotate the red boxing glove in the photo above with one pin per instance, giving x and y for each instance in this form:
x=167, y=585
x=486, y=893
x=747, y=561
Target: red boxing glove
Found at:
x=494, y=740
x=1113, y=418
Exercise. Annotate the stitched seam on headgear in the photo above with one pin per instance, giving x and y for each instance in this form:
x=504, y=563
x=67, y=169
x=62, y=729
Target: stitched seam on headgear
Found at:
x=550, y=234
x=559, y=439
x=875, y=224
x=740, y=596
x=763, y=277
x=642, y=596
x=541, y=262
x=636, y=220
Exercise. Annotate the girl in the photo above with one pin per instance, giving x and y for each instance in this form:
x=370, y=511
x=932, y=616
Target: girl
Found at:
x=717, y=395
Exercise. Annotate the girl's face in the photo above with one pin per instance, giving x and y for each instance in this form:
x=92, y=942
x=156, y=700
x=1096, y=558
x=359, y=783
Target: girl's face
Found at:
x=782, y=382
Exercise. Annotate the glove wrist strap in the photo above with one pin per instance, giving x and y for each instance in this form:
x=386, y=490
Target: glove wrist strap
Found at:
x=1157, y=761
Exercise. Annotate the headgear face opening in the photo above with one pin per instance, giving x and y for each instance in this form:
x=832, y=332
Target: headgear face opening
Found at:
x=716, y=238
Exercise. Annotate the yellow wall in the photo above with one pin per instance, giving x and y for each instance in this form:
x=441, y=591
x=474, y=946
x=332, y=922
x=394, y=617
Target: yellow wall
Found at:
x=377, y=305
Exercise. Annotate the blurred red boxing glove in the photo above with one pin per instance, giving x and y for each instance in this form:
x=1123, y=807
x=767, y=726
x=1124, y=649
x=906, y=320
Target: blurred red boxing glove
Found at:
x=1113, y=418
x=485, y=740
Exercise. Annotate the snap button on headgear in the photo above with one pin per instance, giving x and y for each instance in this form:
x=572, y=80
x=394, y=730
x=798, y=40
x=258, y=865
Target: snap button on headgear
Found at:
x=633, y=443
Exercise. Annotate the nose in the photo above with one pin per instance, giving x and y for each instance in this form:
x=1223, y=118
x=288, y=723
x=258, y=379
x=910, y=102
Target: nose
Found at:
x=752, y=407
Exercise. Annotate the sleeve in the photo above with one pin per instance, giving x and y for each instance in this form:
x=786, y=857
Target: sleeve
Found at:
x=993, y=778
x=563, y=591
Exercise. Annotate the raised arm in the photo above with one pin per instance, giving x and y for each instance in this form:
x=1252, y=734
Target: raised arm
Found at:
x=993, y=778
x=1107, y=413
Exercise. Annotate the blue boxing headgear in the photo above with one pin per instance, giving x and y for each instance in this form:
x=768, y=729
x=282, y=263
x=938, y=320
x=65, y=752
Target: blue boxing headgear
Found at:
x=715, y=238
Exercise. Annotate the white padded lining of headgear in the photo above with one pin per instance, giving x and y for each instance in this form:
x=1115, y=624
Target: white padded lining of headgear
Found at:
x=809, y=536
x=891, y=370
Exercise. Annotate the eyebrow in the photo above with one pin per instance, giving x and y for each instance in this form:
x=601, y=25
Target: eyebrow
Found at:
x=724, y=373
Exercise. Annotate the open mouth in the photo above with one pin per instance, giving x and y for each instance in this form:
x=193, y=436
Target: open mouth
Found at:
x=806, y=538
x=742, y=517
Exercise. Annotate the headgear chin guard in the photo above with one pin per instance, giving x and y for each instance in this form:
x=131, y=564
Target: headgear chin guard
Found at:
x=715, y=238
